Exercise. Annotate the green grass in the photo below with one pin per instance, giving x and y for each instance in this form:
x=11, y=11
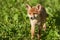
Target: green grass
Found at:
x=15, y=25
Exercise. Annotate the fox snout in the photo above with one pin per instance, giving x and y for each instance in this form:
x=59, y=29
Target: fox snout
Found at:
x=32, y=18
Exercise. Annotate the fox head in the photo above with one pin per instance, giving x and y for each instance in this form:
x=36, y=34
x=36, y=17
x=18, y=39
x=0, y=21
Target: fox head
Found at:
x=34, y=11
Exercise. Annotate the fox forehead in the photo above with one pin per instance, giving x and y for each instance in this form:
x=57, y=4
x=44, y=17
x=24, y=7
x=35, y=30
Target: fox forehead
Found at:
x=33, y=10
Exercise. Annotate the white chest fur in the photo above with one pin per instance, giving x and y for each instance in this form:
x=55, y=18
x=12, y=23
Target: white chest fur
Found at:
x=34, y=22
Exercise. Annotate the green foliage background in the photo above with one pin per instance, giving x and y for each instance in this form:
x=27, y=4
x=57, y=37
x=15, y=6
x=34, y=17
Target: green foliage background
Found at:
x=15, y=25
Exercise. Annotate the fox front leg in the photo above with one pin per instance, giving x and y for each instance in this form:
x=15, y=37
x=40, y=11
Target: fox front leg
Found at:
x=32, y=32
x=39, y=31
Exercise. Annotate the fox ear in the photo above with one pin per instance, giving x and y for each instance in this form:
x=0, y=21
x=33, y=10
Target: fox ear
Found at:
x=38, y=7
x=28, y=6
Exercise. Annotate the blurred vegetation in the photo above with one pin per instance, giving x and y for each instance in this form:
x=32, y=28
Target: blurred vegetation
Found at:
x=15, y=25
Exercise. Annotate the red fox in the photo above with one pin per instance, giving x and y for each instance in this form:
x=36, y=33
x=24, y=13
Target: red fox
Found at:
x=37, y=15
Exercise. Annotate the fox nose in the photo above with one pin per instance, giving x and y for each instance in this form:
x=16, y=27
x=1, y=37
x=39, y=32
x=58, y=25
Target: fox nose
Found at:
x=32, y=18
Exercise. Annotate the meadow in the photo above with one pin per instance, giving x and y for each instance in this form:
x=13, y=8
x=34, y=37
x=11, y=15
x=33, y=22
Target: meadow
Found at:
x=15, y=24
